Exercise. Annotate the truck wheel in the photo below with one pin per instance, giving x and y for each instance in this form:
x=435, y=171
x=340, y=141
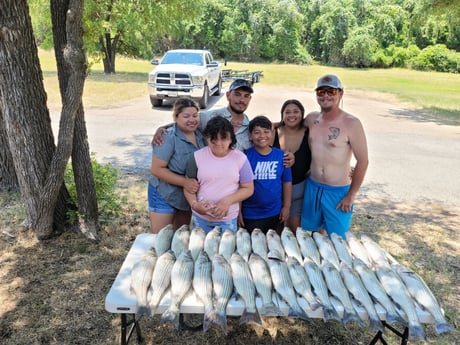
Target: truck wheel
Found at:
x=156, y=102
x=219, y=87
x=203, y=102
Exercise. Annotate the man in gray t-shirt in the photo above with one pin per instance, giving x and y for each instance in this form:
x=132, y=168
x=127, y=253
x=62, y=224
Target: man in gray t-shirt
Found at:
x=239, y=96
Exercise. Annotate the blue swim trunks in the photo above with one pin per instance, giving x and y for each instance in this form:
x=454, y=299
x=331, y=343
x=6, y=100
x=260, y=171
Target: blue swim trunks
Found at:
x=318, y=211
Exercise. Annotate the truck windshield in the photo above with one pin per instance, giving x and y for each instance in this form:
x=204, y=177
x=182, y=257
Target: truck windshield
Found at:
x=183, y=59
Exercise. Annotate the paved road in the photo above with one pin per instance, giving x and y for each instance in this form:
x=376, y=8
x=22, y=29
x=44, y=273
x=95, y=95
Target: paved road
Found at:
x=411, y=158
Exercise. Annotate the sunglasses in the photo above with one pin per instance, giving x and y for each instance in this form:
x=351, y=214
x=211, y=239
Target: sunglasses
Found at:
x=330, y=92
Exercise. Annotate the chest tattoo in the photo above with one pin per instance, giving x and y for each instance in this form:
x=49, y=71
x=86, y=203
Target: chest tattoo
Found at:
x=335, y=132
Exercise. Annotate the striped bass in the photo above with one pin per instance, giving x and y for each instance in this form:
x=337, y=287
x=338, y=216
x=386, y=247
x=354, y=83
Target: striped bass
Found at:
x=212, y=241
x=227, y=244
x=161, y=279
x=315, y=275
x=244, y=286
x=396, y=289
x=202, y=284
x=341, y=248
x=290, y=244
x=356, y=287
x=243, y=243
x=180, y=240
x=357, y=248
x=259, y=243
x=263, y=283
x=141, y=277
x=424, y=296
x=375, y=288
x=222, y=283
x=376, y=254
x=274, y=243
x=301, y=282
x=307, y=245
x=181, y=282
x=283, y=284
x=163, y=239
x=337, y=288
x=326, y=248
x=196, y=242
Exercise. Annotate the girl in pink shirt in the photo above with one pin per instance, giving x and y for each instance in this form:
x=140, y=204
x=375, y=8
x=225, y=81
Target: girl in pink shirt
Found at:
x=224, y=175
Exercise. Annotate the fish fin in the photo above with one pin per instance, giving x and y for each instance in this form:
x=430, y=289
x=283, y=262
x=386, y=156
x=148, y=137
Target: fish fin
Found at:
x=221, y=321
x=416, y=332
x=330, y=314
x=376, y=325
x=315, y=305
x=208, y=319
x=395, y=318
x=442, y=327
x=270, y=309
x=347, y=317
x=142, y=311
x=250, y=317
x=293, y=313
x=172, y=315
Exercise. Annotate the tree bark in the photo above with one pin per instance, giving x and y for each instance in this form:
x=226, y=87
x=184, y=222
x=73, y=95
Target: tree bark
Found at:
x=81, y=159
x=39, y=164
x=8, y=179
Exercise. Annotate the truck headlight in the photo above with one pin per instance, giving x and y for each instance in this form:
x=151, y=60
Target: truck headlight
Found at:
x=198, y=79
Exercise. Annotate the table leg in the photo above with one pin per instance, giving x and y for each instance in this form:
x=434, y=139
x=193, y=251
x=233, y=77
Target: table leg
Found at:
x=379, y=336
x=125, y=333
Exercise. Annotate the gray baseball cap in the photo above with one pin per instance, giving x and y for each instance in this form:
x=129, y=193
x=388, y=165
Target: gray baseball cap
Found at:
x=329, y=80
x=241, y=84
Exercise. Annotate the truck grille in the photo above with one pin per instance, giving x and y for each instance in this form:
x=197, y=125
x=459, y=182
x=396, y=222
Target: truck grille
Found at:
x=173, y=79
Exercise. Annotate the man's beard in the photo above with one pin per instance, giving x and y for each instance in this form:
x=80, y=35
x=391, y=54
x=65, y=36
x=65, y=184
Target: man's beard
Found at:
x=237, y=111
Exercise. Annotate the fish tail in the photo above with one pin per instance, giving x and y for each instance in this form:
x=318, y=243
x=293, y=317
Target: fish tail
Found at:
x=142, y=311
x=442, y=327
x=221, y=321
x=330, y=314
x=416, y=332
x=250, y=317
x=270, y=309
x=349, y=316
x=208, y=318
x=171, y=315
x=376, y=325
x=293, y=312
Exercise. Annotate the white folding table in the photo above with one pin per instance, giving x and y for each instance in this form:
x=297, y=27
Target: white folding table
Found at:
x=120, y=300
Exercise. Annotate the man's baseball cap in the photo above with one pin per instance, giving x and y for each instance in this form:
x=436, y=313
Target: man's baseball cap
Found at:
x=329, y=80
x=241, y=84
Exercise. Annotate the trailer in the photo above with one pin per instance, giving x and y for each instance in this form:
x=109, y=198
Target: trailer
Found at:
x=232, y=74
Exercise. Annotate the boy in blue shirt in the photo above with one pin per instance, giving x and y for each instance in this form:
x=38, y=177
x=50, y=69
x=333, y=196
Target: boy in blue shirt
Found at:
x=269, y=205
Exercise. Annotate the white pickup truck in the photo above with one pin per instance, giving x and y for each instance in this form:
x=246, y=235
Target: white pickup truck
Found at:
x=185, y=73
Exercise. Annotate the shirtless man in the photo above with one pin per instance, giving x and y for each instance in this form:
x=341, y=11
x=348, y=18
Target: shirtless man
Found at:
x=334, y=137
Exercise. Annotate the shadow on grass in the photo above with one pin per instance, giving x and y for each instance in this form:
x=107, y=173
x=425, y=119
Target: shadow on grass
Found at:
x=436, y=115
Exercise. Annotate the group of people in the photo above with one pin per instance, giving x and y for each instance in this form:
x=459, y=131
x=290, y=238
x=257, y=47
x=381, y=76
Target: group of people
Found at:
x=219, y=168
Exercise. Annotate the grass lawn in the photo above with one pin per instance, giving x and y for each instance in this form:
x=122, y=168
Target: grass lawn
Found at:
x=438, y=93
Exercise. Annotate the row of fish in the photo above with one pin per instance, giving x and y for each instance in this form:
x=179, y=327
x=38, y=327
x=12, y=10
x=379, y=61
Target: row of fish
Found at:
x=218, y=265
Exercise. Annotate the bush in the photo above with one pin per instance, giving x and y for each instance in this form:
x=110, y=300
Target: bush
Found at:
x=403, y=55
x=437, y=58
x=105, y=179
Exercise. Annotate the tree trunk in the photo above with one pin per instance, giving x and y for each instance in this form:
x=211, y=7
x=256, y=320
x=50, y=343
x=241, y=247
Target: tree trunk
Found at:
x=39, y=164
x=81, y=160
x=8, y=179
x=109, y=53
